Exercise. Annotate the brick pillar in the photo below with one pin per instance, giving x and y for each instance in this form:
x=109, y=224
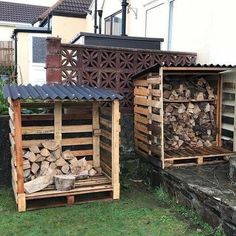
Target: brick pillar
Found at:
x=53, y=61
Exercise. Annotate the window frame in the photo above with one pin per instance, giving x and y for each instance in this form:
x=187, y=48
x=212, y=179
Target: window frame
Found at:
x=110, y=17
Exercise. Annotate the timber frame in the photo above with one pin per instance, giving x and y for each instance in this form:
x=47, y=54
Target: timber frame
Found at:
x=149, y=124
x=94, y=133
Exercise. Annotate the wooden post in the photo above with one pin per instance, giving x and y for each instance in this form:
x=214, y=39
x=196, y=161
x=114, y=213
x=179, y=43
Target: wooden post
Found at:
x=19, y=159
x=58, y=122
x=219, y=110
x=162, y=118
x=115, y=149
x=96, y=136
x=149, y=116
x=70, y=200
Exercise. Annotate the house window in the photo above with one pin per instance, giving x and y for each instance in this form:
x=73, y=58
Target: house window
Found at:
x=113, y=24
x=159, y=21
x=39, y=49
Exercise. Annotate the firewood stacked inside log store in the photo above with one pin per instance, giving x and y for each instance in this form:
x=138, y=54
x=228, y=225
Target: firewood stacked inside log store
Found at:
x=189, y=113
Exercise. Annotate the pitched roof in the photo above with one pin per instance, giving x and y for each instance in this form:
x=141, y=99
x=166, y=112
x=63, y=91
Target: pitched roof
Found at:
x=59, y=92
x=21, y=13
x=73, y=8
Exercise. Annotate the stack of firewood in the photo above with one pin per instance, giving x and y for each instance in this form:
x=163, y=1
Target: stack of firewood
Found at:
x=195, y=89
x=47, y=158
x=190, y=123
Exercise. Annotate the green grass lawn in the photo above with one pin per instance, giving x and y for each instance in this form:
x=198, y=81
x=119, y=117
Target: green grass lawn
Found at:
x=139, y=212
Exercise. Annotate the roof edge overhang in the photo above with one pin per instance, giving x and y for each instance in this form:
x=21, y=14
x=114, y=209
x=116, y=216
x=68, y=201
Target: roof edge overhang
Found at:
x=72, y=15
x=31, y=30
x=180, y=68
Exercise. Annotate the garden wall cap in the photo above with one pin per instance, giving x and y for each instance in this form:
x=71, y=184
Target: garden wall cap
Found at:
x=59, y=92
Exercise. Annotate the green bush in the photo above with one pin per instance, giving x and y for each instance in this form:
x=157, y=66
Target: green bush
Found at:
x=3, y=102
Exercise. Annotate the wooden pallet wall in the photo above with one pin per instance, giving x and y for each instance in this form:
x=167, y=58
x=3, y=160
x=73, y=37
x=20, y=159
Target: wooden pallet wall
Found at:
x=106, y=140
x=70, y=126
x=148, y=117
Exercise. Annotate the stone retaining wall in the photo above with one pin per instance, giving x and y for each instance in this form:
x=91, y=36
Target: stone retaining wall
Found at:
x=213, y=210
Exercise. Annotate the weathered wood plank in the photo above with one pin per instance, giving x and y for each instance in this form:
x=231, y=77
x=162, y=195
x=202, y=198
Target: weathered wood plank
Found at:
x=141, y=119
x=96, y=138
x=58, y=123
x=142, y=82
x=81, y=153
x=140, y=101
x=155, y=80
x=140, y=127
x=50, y=129
x=106, y=134
x=140, y=110
x=105, y=122
x=11, y=113
x=155, y=92
x=12, y=127
x=105, y=146
x=77, y=141
x=140, y=136
x=141, y=92
x=142, y=146
x=65, y=142
x=19, y=159
x=115, y=149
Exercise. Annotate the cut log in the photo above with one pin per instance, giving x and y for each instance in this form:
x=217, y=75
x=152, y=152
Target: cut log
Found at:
x=92, y=172
x=64, y=182
x=34, y=149
x=59, y=172
x=82, y=163
x=40, y=158
x=44, y=168
x=57, y=153
x=74, y=169
x=39, y=183
x=26, y=164
x=83, y=175
x=26, y=174
x=189, y=124
x=50, y=145
x=32, y=157
x=74, y=166
x=88, y=167
x=65, y=169
x=60, y=162
x=34, y=168
x=67, y=155
x=44, y=152
x=51, y=158
x=53, y=166
x=98, y=169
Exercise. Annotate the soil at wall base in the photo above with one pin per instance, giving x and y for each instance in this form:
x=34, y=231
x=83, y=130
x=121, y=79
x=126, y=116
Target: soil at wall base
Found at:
x=5, y=156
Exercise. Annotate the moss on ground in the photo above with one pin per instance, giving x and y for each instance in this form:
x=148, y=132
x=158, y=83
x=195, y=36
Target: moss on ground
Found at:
x=139, y=212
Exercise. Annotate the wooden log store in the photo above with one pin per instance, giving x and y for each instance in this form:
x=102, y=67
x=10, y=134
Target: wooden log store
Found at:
x=67, y=151
x=177, y=115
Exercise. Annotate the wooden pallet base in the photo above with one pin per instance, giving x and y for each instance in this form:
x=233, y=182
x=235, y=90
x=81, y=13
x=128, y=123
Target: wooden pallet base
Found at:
x=198, y=156
x=93, y=189
x=68, y=200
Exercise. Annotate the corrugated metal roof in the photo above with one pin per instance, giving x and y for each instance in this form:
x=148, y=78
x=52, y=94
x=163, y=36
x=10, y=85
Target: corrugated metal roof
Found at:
x=59, y=91
x=156, y=67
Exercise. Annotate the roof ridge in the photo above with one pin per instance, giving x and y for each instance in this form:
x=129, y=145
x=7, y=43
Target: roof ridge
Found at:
x=49, y=10
x=73, y=8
